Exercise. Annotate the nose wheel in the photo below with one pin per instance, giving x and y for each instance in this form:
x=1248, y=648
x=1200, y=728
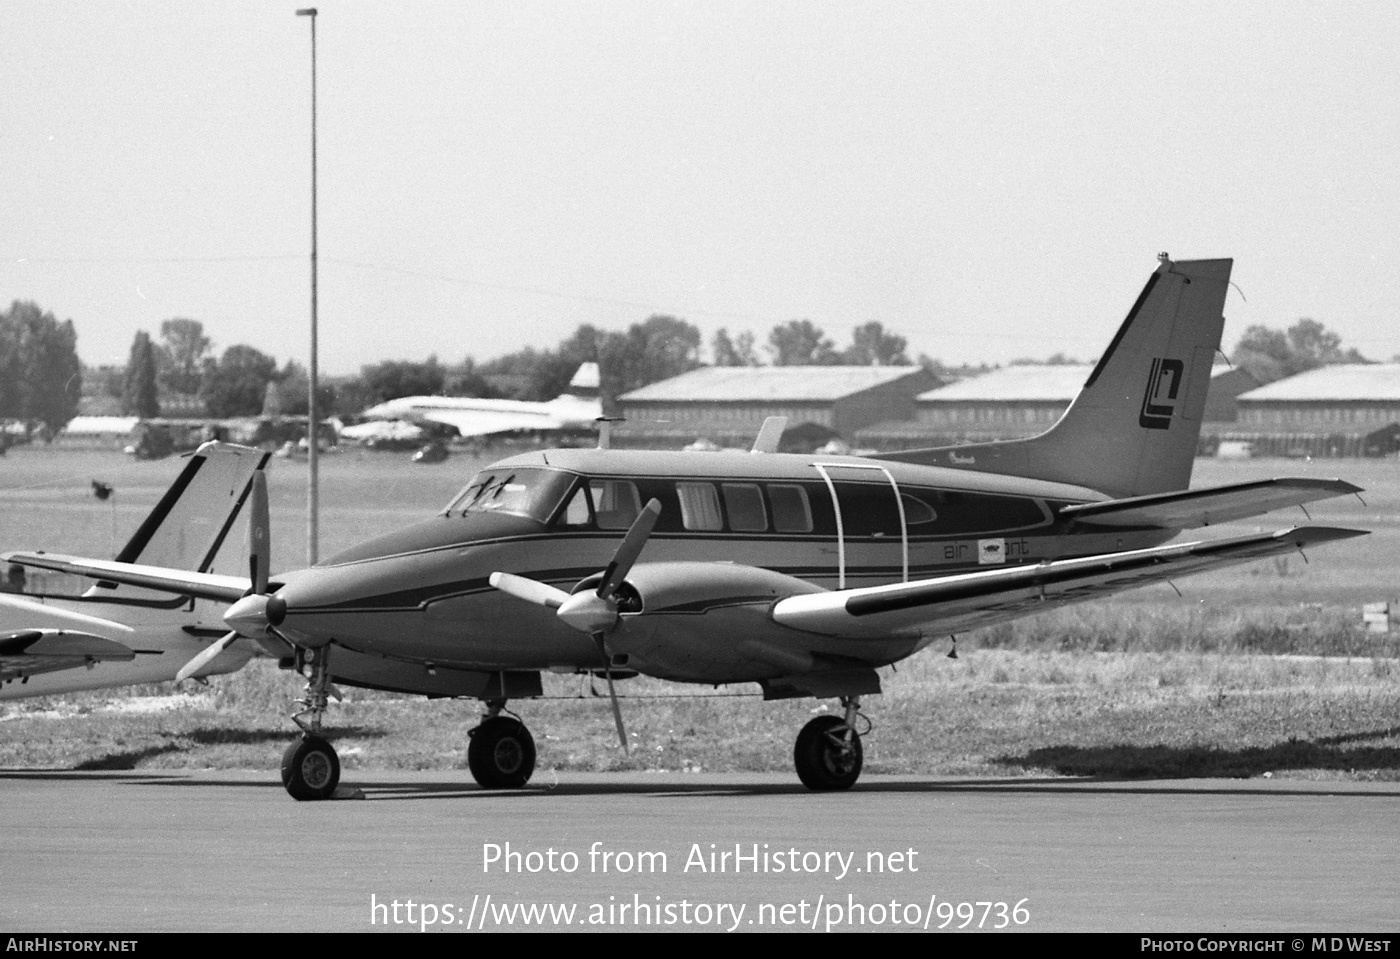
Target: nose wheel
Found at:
x=828, y=754
x=310, y=769
x=501, y=754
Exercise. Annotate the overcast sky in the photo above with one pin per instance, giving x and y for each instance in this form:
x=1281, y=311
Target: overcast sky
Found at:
x=991, y=180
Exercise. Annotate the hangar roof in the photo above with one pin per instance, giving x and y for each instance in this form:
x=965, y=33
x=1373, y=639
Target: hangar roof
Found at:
x=1016, y=383
x=716, y=384
x=1344, y=381
x=1032, y=382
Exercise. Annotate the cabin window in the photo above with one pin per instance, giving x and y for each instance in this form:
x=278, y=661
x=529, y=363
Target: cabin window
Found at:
x=868, y=509
x=699, y=506
x=744, y=503
x=958, y=511
x=528, y=492
x=615, y=502
x=916, y=511
x=792, y=513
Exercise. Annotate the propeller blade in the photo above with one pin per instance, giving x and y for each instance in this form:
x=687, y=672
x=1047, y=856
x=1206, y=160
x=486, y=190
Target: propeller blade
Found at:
x=53, y=612
x=630, y=549
x=612, y=692
x=204, y=657
x=530, y=590
x=259, y=537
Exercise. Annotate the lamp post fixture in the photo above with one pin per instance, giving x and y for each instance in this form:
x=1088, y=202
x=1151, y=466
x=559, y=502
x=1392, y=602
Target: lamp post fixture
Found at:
x=312, y=418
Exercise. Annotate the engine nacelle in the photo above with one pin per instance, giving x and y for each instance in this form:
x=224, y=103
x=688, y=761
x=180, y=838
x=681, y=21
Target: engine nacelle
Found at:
x=707, y=622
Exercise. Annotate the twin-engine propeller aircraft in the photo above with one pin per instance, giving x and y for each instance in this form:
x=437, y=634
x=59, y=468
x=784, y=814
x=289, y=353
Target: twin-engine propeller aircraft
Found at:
x=118, y=636
x=803, y=574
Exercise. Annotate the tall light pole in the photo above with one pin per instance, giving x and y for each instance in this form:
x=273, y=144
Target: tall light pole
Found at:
x=312, y=418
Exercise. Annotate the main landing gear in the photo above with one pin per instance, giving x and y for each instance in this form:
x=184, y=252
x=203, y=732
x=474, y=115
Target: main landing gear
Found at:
x=310, y=767
x=828, y=754
x=501, y=754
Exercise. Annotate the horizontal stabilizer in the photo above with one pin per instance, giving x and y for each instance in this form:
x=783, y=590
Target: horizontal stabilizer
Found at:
x=1190, y=509
x=220, y=588
x=965, y=601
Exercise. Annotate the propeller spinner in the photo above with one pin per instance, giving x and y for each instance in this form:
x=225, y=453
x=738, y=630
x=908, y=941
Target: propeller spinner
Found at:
x=591, y=611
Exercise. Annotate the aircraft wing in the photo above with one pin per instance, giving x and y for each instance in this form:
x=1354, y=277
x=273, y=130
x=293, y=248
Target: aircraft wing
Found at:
x=966, y=601
x=214, y=586
x=1190, y=509
x=28, y=652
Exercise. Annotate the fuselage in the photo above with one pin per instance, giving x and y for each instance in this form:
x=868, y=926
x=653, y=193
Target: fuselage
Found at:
x=421, y=595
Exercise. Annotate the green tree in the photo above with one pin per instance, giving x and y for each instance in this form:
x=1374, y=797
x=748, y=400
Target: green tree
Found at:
x=551, y=370
x=736, y=351
x=10, y=372
x=139, y=394
x=530, y=371
x=237, y=383
x=801, y=343
x=658, y=348
x=467, y=380
x=41, y=377
x=1270, y=354
x=293, y=388
x=392, y=379
x=873, y=345
x=181, y=354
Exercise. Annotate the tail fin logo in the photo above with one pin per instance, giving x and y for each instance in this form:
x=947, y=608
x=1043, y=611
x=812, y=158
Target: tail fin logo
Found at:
x=1159, y=399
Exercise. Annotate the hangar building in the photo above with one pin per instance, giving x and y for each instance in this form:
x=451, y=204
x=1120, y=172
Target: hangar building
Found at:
x=728, y=404
x=1022, y=400
x=1331, y=411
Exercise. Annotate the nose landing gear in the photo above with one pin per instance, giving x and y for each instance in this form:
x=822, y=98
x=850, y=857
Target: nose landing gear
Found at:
x=310, y=767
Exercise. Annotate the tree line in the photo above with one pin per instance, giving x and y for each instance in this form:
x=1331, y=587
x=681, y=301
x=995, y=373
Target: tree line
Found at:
x=182, y=363
x=41, y=377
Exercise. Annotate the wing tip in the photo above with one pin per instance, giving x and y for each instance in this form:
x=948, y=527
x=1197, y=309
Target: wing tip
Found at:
x=1308, y=535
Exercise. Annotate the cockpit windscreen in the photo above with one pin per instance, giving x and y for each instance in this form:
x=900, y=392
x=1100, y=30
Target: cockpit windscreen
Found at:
x=519, y=491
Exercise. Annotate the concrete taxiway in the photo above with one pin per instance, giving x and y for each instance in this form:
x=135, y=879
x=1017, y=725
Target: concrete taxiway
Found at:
x=154, y=851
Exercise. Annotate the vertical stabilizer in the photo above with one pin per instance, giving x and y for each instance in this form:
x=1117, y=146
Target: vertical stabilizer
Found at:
x=1134, y=427
x=190, y=522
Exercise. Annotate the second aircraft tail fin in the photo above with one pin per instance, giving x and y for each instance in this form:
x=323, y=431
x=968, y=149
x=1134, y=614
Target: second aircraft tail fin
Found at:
x=191, y=521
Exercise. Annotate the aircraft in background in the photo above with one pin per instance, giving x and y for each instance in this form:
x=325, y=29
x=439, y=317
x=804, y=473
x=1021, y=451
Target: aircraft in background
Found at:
x=115, y=635
x=803, y=574
x=577, y=410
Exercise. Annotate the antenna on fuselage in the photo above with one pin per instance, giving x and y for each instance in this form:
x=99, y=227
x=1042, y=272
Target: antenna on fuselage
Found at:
x=605, y=430
x=770, y=435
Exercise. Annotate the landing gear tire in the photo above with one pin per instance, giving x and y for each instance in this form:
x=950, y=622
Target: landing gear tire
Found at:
x=828, y=756
x=310, y=769
x=501, y=754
